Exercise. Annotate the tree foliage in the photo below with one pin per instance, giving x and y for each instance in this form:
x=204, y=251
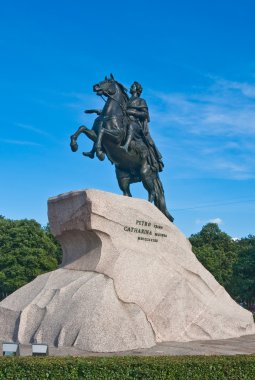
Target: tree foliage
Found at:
x=243, y=279
x=217, y=251
x=26, y=250
x=232, y=262
x=58, y=254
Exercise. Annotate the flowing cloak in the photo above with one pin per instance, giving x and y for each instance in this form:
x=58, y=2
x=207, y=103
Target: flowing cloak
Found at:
x=141, y=115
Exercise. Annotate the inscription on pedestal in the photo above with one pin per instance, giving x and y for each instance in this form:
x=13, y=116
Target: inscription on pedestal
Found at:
x=143, y=227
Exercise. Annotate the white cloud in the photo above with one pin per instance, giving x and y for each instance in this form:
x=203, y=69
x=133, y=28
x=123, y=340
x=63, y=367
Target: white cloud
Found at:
x=210, y=131
x=219, y=110
x=32, y=129
x=215, y=220
x=245, y=88
x=19, y=142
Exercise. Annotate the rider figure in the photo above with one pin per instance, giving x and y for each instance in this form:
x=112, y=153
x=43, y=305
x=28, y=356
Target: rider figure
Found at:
x=138, y=114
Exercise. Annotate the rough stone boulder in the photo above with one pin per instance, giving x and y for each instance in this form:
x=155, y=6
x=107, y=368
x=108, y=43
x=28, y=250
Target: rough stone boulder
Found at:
x=128, y=279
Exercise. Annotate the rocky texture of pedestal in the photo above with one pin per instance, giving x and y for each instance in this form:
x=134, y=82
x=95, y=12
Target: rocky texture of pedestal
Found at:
x=128, y=279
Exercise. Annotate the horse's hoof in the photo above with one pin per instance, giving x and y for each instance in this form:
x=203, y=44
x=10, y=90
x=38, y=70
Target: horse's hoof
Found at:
x=100, y=155
x=152, y=197
x=74, y=146
x=88, y=154
x=170, y=217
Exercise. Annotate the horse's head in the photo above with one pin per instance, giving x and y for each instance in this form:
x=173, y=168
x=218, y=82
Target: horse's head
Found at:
x=106, y=87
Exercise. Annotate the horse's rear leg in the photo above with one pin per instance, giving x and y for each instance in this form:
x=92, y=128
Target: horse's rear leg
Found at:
x=160, y=201
x=148, y=177
x=154, y=187
x=124, y=182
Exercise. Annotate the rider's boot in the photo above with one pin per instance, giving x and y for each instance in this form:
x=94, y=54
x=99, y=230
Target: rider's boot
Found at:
x=127, y=143
x=129, y=138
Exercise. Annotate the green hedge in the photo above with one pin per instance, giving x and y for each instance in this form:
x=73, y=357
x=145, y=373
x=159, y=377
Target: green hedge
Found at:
x=147, y=368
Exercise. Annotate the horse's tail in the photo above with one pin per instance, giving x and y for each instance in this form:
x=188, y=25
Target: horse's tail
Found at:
x=160, y=201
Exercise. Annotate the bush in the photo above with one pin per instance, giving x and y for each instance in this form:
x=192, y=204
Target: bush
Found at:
x=147, y=368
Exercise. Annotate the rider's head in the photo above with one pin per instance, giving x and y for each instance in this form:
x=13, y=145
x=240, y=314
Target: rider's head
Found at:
x=136, y=87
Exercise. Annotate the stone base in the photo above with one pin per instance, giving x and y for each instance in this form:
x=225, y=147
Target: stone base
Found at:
x=128, y=280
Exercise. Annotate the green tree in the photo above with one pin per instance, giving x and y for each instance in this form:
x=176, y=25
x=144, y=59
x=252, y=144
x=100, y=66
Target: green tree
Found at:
x=217, y=251
x=26, y=250
x=243, y=280
x=59, y=252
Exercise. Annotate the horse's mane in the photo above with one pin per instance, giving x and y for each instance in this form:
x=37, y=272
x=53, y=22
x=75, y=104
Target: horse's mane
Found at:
x=123, y=90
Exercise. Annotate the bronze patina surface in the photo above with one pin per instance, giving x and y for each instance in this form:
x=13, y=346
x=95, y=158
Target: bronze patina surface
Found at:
x=121, y=132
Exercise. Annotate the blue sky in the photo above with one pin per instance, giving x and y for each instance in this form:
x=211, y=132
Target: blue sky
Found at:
x=196, y=62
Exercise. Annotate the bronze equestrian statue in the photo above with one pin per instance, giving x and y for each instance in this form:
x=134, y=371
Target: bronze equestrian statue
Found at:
x=121, y=132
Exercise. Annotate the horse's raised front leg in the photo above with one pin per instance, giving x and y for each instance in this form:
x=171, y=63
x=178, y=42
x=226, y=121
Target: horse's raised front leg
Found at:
x=91, y=153
x=88, y=132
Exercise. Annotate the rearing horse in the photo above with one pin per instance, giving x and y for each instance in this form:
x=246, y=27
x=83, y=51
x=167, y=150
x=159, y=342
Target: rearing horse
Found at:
x=109, y=134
